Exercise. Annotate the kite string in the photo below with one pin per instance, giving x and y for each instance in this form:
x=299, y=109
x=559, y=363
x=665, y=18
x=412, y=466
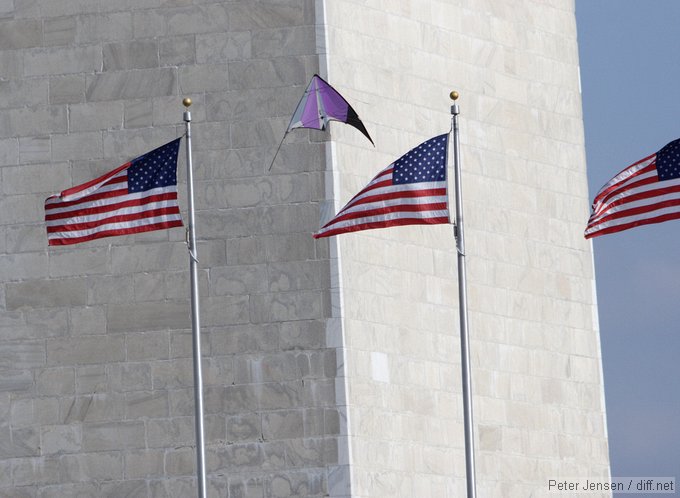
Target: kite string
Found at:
x=277, y=150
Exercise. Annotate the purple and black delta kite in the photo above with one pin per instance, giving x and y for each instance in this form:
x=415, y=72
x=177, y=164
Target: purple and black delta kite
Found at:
x=320, y=104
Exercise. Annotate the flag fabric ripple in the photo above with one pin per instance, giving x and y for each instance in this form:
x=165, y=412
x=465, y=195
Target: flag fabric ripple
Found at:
x=139, y=196
x=410, y=191
x=646, y=192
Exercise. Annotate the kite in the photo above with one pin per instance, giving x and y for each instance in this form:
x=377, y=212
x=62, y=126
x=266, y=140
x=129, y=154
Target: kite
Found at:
x=320, y=104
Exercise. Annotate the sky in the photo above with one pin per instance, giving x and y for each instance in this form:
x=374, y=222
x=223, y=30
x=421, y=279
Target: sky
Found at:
x=630, y=79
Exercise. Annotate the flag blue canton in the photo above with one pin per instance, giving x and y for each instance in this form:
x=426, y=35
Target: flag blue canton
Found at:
x=156, y=169
x=668, y=161
x=425, y=163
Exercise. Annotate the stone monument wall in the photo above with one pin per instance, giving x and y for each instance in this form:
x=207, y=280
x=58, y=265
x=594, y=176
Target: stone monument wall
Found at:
x=331, y=366
x=536, y=375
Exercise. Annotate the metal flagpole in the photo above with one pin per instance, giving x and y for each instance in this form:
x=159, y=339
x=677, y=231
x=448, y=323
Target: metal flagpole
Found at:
x=195, y=320
x=462, y=300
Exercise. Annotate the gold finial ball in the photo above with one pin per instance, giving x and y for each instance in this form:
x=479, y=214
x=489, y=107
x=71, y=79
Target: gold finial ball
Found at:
x=454, y=95
x=186, y=102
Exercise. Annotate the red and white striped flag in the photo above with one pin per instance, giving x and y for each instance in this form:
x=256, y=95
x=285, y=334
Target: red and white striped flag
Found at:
x=139, y=196
x=410, y=191
x=646, y=192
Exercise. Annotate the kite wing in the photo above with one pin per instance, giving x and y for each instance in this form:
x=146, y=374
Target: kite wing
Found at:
x=322, y=103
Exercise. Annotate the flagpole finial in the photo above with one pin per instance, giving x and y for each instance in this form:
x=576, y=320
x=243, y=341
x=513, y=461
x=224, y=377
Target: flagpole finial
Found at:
x=186, y=102
x=454, y=108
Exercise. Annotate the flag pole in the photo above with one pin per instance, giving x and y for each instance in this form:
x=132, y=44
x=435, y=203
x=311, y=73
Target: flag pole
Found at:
x=462, y=304
x=195, y=320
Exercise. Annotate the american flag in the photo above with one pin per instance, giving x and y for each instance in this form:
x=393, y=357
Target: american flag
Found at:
x=139, y=196
x=410, y=191
x=646, y=192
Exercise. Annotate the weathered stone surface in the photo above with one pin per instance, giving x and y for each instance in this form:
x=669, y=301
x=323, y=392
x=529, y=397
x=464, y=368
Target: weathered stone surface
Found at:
x=168, y=432
x=130, y=55
x=19, y=93
x=148, y=316
x=58, y=381
x=60, y=439
x=96, y=116
x=146, y=405
x=309, y=346
x=23, y=442
x=121, y=85
x=85, y=350
x=222, y=47
x=211, y=77
x=16, y=381
x=178, y=51
x=97, y=466
x=31, y=121
x=60, y=31
x=67, y=89
x=144, y=463
x=35, y=150
x=23, y=355
x=113, y=436
x=46, y=293
x=54, y=61
x=24, y=33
